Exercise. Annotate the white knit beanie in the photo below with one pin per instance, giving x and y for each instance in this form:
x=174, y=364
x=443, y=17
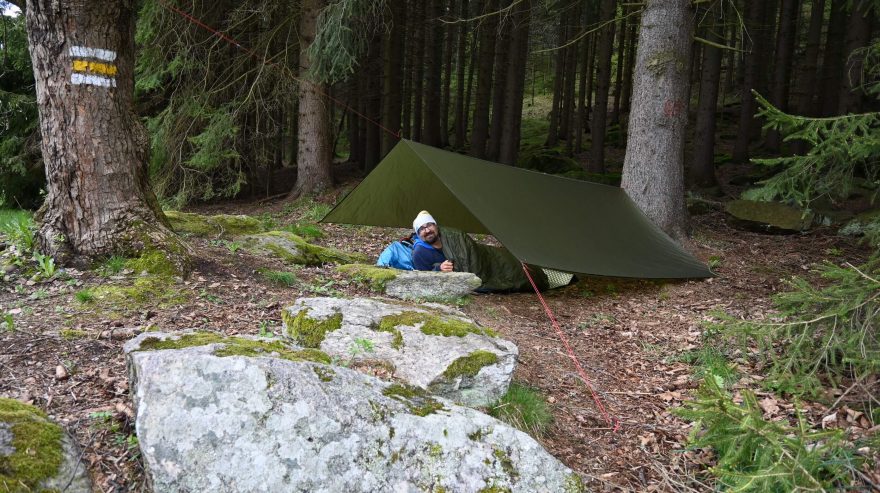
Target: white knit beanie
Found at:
x=422, y=219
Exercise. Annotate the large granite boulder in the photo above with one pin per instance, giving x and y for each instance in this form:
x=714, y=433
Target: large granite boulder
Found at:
x=770, y=216
x=37, y=454
x=294, y=250
x=209, y=419
x=439, y=349
x=413, y=285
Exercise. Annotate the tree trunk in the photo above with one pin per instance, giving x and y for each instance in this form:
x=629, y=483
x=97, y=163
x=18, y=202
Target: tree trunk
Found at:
x=618, y=75
x=833, y=59
x=516, y=83
x=418, y=66
x=446, y=96
x=392, y=89
x=858, y=34
x=582, y=94
x=480, y=133
x=785, y=41
x=499, y=82
x=372, y=131
x=558, y=85
x=95, y=150
x=806, y=85
x=653, y=167
x=630, y=64
x=313, y=152
x=600, y=108
x=433, y=71
x=460, y=115
x=703, y=165
x=754, y=15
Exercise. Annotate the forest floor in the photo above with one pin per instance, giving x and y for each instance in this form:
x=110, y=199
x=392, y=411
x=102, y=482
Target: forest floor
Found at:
x=633, y=338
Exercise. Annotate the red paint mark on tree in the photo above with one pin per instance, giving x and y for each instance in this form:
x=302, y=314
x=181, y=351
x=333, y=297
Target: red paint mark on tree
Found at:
x=673, y=107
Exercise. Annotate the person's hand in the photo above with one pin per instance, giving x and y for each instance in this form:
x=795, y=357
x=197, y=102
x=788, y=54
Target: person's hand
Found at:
x=446, y=266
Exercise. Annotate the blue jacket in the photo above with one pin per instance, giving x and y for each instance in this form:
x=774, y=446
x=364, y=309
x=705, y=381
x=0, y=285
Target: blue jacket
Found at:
x=426, y=257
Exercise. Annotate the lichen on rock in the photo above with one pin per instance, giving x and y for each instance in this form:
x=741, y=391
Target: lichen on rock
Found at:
x=307, y=331
x=232, y=346
x=434, y=325
x=417, y=400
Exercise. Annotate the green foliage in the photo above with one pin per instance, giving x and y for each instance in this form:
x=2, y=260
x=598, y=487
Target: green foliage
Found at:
x=825, y=333
x=85, y=296
x=840, y=149
x=756, y=455
x=344, y=29
x=305, y=230
x=214, y=113
x=21, y=172
x=283, y=278
x=709, y=362
x=113, y=265
x=46, y=264
x=7, y=322
x=524, y=408
x=18, y=229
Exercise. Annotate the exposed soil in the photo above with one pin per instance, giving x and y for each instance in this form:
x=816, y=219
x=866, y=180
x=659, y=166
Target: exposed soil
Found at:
x=626, y=334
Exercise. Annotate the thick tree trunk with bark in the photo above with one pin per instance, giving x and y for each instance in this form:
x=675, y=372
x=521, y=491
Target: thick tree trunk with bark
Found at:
x=313, y=152
x=584, y=60
x=418, y=66
x=703, y=164
x=499, y=81
x=653, y=174
x=99, y=200
x=603, y=80
x=558, y=85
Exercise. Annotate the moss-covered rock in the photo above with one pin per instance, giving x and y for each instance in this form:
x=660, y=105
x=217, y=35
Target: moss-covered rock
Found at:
x=307, y=331
x=373, y=276
x=154, y=262
x=233, y=346
x=160, y=290
x=433, y=325
x=222, y=225
x=30, y=447
x=770, y=215
x=292, y=249
x=470, y=365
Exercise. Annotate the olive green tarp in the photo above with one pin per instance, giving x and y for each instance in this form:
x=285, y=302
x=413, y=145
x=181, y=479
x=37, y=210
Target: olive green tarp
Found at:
x=544, y=220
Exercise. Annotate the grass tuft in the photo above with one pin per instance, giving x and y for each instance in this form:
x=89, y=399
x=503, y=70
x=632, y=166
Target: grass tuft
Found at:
x=523, y=408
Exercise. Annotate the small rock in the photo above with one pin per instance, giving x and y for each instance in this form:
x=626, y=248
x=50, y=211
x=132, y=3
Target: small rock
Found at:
x=61, y=373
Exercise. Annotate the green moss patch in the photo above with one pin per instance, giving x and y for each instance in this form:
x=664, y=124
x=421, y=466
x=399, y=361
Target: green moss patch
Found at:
x=574, y=484
x=292, y=249
x=220, y=225
x=433, y=325
x=470, y=365
x=144, y=290
x=72, y=334
x=506, y=463
x=36, y=441
x=154, y=262
x=307, y=331
x=235, y=346
x=375, y=277
x=417, y=400
x=324, y=374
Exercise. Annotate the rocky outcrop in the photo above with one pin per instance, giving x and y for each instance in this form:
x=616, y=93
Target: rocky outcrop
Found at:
x=438, y=349
x=769, y=216
x=37, y=454
x=294, y=250
x=234, y=423
x=413, y=285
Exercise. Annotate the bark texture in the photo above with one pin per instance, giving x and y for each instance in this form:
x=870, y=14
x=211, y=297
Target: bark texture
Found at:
x=94, y=148
x=653, y=174
x=313, y=152
x=703, y=164
x=603, y=82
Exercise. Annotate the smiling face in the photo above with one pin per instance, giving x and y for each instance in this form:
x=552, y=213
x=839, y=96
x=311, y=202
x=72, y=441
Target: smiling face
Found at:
x=428, y=233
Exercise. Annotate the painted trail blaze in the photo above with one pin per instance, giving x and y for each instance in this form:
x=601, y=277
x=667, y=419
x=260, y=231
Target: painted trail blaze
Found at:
x=93, y=66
